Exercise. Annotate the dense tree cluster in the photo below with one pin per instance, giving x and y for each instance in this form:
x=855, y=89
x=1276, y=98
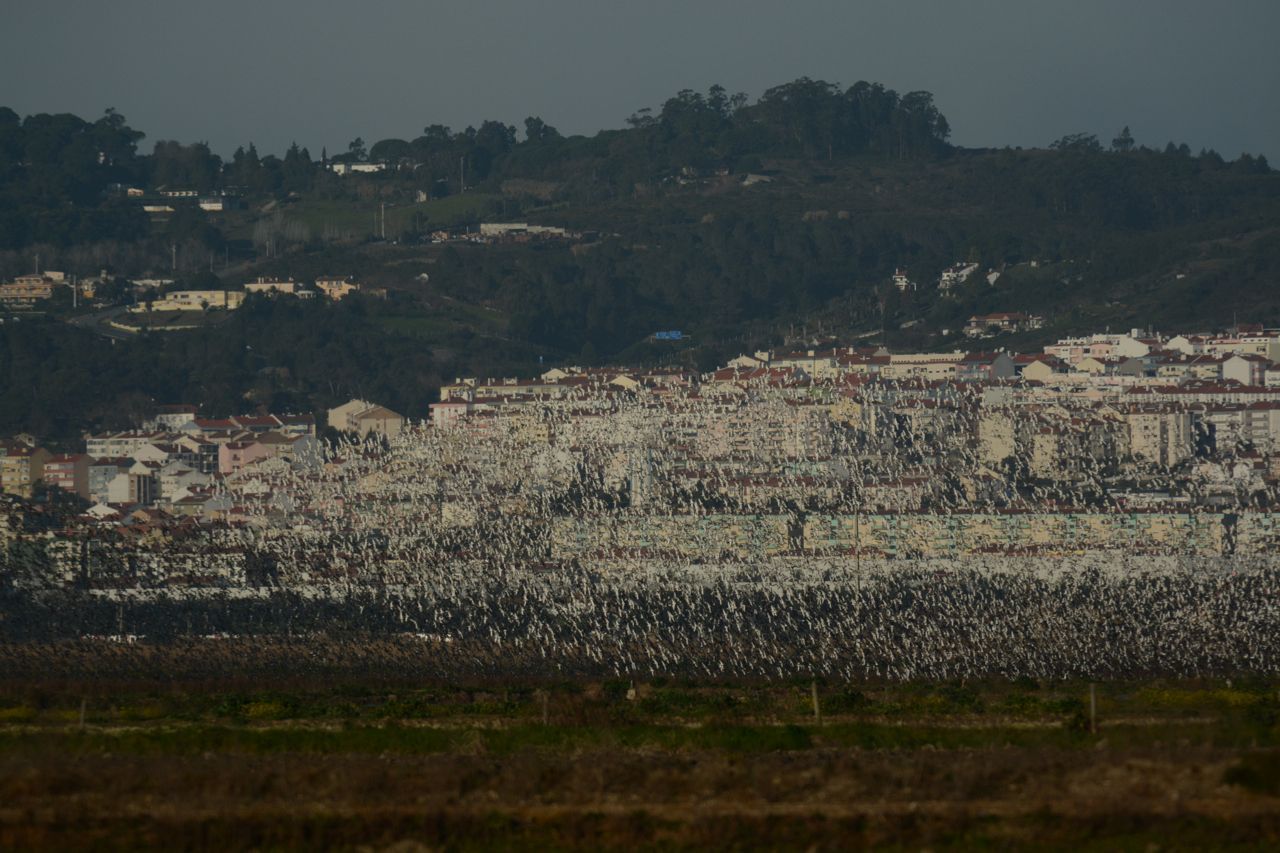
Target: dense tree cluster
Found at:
x=54, y=170
x=57, y=379
x=1134, y=237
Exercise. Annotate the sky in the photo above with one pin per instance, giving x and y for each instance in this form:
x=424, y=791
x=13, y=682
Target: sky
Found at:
x=1004, y=72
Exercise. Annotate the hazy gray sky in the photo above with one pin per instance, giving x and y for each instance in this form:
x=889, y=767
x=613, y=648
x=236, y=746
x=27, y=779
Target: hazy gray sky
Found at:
x=1015, y=72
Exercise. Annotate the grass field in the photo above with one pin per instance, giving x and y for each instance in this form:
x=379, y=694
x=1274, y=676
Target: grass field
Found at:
x=319, y=215
x=250, y=764
x=449, y=319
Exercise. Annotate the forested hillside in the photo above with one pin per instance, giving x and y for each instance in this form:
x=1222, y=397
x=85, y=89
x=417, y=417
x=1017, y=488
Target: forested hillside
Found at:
x=739, y=222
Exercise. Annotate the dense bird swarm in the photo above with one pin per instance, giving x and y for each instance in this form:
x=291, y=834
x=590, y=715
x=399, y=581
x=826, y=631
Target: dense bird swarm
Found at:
x=446, y=550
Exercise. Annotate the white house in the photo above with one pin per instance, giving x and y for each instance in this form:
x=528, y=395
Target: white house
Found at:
x=357, y=168
x=1245, y=369
x=272, y=286
x=981, y=325
x=955, y=275
x=195, y=300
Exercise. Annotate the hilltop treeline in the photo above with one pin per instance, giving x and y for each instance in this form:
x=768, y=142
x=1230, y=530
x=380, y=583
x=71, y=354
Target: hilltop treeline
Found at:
x=56, y=171
x=61, y=176
x=691, y=132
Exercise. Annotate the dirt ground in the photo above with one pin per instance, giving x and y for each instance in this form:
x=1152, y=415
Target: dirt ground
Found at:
x=815, y=799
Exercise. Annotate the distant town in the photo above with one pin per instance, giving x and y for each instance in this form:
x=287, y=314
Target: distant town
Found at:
x=1137, y=441
x=147, y=297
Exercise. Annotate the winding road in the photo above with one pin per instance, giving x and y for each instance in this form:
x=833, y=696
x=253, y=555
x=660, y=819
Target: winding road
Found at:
x=100, y=322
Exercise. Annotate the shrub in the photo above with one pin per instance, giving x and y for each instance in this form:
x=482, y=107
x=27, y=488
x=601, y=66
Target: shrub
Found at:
x=1259, y=773
x=264, y=711
x=17, y=714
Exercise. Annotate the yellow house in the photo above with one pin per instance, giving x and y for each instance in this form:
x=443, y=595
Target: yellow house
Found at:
x=21, y=468
x=379, y=419
x=336, y=288
x=363, y=417
x=1038, y=371
x=1091, y=365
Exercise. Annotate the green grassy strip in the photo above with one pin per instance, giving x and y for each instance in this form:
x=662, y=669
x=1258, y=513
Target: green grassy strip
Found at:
x=198, y=739
x=358, y=216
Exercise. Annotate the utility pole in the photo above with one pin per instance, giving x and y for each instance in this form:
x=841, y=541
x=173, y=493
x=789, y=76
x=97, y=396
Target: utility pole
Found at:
x=173, y=248
x=1093, y=708
x=462, y=172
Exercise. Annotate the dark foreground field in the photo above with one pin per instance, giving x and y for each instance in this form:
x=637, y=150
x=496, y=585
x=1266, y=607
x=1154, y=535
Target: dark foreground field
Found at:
x=348, y=762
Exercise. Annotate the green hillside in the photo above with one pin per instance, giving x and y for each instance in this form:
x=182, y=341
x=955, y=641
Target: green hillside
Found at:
x=740, y=223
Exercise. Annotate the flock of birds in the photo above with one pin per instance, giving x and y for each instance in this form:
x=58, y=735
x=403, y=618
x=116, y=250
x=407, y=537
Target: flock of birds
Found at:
x=445, y=541
x=904, y=624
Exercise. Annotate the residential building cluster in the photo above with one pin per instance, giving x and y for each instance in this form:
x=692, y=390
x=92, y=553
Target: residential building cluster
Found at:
x=504, y=232
x=948, y=280
x=1110, y=425
x=1134, y=443
x=175, y=463
x=29, y=291
x=331, y=287
x=164, y=201
x=988, y=325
